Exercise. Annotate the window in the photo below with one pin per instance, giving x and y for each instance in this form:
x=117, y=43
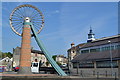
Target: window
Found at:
x=83, y=65
x=112, y=47
x=35, y=64
x=106, y=64
x=85, y=51
x=86, y=65
x=95, y=50
x=74, y=65
x=73, y=51
x=107, y=48
x=117, y=47
x=92, y=50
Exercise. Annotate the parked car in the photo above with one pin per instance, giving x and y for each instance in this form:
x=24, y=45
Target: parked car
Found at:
x=2, y=68
x=16, y=68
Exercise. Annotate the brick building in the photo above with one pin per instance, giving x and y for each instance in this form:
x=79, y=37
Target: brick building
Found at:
x=36, y=56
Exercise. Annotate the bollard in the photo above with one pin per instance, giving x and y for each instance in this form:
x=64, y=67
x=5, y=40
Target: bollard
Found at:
x=97, y=75
x=106, y=73
x=93, y=73
x=115, y=76
x=77, y=68
x=81, y=73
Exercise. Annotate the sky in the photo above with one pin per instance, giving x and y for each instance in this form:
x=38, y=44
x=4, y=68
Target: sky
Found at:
x=65, y=22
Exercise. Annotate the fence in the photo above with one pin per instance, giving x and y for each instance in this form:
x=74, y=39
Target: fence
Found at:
x=95, y=74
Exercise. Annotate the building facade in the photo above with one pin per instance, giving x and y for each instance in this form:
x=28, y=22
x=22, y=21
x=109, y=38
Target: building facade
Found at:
x=6, y=64
x=96, y=55
x=36, y=56
x=72, y=53
x=62, y=60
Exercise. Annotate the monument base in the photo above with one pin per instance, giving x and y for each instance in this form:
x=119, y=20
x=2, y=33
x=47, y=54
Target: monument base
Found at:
x=25, y=70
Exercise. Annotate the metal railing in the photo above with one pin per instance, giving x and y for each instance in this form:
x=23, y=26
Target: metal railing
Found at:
x=94, y=74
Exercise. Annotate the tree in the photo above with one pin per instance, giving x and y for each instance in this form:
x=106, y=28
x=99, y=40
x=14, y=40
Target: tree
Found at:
x=59, y=63
x=0, y=54
x=6, y=54
x=47, y=63
x=9, y=54
x=54, y=57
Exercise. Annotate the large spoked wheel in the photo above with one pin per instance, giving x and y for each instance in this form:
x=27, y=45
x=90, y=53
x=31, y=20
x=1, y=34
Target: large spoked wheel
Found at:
x=20, y=13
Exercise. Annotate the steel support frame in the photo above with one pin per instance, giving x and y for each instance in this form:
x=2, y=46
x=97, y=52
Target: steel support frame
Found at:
x=46, y=53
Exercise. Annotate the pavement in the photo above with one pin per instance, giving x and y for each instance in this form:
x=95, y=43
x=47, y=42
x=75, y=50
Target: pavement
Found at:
x=15, y=76
x=9, y=72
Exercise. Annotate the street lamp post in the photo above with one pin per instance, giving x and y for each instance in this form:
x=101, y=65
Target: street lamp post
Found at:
x=111, y=59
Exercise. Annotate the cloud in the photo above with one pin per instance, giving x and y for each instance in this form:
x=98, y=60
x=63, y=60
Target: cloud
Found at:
x=48, y=14
x=79, y=25
x=56, y=11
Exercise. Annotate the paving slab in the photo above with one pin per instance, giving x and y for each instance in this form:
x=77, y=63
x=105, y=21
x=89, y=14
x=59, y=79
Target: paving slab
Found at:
x=46, y=77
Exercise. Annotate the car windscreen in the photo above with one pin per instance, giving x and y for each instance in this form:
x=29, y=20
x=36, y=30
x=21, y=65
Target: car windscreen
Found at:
x=35, y=64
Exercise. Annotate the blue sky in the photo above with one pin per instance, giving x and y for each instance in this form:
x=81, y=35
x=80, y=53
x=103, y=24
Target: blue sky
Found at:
x=65, y=22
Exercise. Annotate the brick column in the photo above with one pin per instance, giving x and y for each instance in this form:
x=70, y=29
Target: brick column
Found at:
x=25, y=56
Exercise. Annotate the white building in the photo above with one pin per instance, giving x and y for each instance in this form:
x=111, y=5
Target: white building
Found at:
x=6, y=63
x=62, y=60
x=36, y=56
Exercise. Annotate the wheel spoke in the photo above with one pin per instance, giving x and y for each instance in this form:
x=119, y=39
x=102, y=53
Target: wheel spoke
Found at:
x=21, y=12
x=35, y=15
x=16, y=20
x=20, y=30
x=37, y=19
x=36, y=22
x=37, y=26
x=17, y=24
x=32, y=12
x=17, y=28
x=18, y=15
x=24, y=11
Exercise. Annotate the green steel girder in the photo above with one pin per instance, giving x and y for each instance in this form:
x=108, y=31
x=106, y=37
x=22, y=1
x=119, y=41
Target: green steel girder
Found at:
x=46, y=53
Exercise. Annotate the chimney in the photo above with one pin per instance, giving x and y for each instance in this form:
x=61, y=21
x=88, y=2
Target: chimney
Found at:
x=72, y=44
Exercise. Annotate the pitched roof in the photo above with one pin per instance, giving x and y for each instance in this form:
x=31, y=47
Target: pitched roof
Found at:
x=97, y=42
x=76, y=47
x=6, y=58
x=97, y=56
x=102, y=41
x=33, y=51
x=37, y=51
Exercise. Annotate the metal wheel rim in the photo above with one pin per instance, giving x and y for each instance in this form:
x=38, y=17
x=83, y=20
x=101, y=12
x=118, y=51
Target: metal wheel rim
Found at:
x=19, y=13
